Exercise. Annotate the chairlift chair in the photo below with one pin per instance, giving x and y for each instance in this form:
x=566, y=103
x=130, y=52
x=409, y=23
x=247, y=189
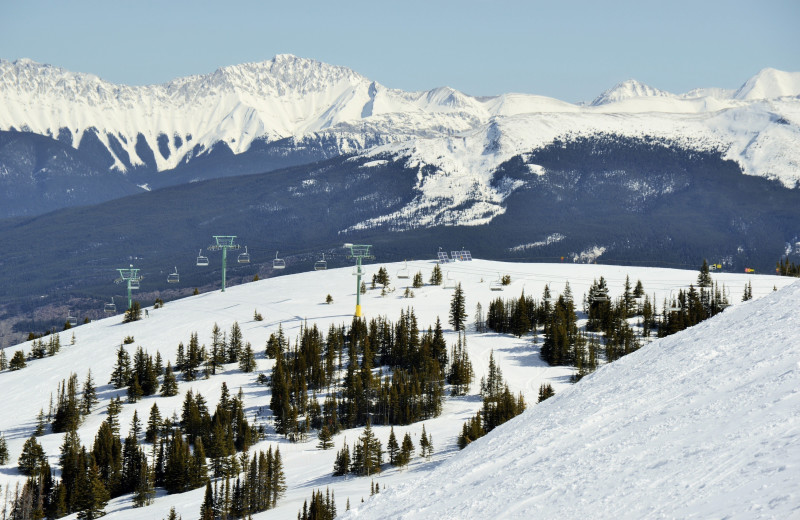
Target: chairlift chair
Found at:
x=110, y=308
x=134, y=283
x=496, y=285
x=202, y=260
x=174, y=277
x=321, y=265
x=403, y=273
x=674, y=303
x=244, y=258
x=278, y=263
x=449, y=282
x=72, y=320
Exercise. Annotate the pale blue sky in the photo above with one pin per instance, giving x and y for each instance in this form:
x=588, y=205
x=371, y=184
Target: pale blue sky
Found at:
x=572, y=50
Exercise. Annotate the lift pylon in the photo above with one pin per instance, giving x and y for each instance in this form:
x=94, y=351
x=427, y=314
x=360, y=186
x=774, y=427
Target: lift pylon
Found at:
x=223, y=243
x=131, y=278
x=359, y=252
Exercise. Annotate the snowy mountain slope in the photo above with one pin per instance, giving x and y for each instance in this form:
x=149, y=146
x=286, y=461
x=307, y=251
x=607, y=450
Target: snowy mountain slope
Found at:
x=701, y=424
x=291, y=301
x=629, y=89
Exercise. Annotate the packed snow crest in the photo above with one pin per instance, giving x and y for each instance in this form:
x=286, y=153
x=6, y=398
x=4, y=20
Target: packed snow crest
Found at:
x=702, y=424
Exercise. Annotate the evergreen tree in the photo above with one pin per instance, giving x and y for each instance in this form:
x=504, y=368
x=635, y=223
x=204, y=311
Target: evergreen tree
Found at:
x=207, y=508
x=17, y=361
x=32, y=458
x=93, y=495
x=436, y=275
x=417, y=280
x=325, y=438
x=169, y=387
x=153, y=424
x=278, y=478
x=40, y=424
x=3, y=360
x=392, y=448
x=458, y=313
x=406, y=450
x=341, y=465
x=122, y=369
x=133, y=314
x=704, y=278
x=89, y=394
x=107, y=453
x=113, y=410
x=247, y=360
x=235, y=343
x=3, y=450
x=545, y=391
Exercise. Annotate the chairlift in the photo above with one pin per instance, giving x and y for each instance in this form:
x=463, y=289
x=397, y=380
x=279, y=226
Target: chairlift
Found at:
x=134, y=283
x=202, y=260
x=599, y=298
x=72, y=320
x=403, y=273
x=174, y=277
x=496, y=285
x=674, y=303
x=278, y=263
x=244, y=258
x=110, y=308
x=321, y=265
x=449, y=282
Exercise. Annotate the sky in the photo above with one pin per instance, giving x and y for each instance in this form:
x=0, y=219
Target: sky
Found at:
x=571, y=50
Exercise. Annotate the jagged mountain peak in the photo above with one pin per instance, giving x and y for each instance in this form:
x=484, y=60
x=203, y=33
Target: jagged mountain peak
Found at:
x=626, y=90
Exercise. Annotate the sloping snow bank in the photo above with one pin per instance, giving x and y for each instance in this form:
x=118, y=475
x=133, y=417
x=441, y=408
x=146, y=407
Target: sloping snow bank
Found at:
x=702, y=424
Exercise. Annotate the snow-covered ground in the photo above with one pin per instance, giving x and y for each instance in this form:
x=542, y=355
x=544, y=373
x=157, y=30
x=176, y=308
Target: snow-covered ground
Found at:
x=690, y=393
x=703, y=424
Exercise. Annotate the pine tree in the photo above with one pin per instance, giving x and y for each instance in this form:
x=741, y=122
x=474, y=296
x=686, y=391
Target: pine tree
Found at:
x=40, y=424
x=278, y=480
x=93, y=495
x=436, y=275
x=341, y=465
x=32, y=458
x=704, y=278
x=17, y=361
x=3, y=450
x=423, y=443
x=545, y=391
x=458, y=313
x=392, y=448
x=133, y=314
x=122, y=369
x=89, y=394
x=3, y=360
x=207, y=508
x=247, y=360
x=113, y=410
x=406, y=450
x=325, y=438
x=153, y=424
x=169, y=387
x=417, y=281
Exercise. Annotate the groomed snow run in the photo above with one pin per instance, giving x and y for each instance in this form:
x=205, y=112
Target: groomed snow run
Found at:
x=702, y=424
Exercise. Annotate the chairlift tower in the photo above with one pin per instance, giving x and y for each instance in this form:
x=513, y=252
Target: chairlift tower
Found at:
x=224, y=242
x=131, y=277
x=359, y=252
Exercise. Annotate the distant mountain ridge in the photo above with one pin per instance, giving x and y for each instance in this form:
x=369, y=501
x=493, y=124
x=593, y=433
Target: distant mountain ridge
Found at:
x=284, y=97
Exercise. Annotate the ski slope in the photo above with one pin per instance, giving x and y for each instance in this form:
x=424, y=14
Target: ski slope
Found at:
x=588, y=416
x=702, y=424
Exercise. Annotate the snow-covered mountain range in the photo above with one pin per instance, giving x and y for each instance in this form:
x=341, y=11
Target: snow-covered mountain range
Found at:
x=463, y=138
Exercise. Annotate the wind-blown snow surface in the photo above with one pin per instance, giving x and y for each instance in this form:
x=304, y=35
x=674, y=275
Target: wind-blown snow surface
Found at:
x=703, y=424
x=297, y=299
